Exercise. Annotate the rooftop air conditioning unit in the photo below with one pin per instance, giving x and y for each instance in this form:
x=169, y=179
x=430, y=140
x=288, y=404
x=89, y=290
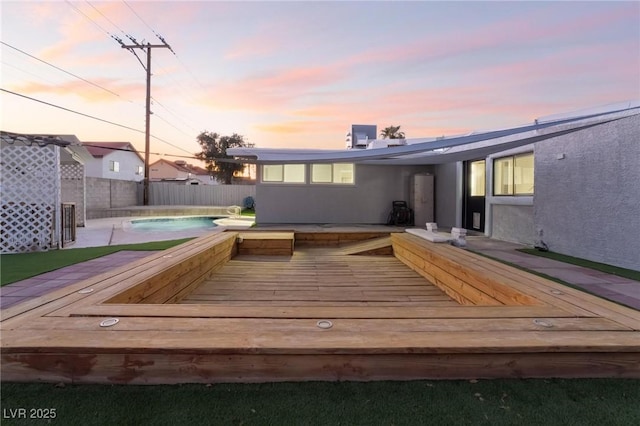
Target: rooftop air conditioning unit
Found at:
x=396, y=142
x=362, y=140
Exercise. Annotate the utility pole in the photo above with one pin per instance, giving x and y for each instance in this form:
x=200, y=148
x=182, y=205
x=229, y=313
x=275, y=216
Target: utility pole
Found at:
x=147, y=131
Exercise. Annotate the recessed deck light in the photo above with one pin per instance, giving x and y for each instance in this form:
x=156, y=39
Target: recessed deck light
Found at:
x=556, y=292
x=109, y=322
x=324, y=324
x=86, y=291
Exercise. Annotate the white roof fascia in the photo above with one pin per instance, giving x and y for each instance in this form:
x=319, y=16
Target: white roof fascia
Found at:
x=79, y=153
x=620, y=106
x=423, y=153
x=484, y=148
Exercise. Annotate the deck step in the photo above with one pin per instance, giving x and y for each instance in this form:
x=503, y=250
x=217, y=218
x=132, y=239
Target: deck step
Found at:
x=266, y=243
x=381, y=245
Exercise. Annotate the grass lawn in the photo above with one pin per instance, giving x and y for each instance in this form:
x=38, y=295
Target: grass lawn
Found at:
x=16, y=267
x=485, y=402
x=602, y=267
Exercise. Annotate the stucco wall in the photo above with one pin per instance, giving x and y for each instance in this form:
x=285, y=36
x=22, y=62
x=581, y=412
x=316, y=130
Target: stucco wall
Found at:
x=110, y=193
x=513, y=223
x=162, y=170
x=446, y=195
x=587, y=203
x=368, y=201
x=129, y=162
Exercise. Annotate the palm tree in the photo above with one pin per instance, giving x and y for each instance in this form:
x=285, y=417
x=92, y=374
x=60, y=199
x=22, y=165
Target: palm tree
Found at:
x=392, y=132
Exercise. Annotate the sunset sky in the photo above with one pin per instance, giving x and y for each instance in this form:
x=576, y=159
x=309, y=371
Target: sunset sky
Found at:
x=298, y=74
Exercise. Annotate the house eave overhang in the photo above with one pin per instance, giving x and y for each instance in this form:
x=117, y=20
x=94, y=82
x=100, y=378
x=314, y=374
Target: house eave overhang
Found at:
x=79, y=153
x=459, y=148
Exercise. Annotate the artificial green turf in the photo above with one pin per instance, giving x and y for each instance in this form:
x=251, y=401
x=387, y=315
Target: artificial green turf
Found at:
x=486, y=402
x=602, y=267
x=549, y=277
x=16, y=267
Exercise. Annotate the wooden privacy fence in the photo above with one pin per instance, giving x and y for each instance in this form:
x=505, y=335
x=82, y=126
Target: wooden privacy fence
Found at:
x=169, y=194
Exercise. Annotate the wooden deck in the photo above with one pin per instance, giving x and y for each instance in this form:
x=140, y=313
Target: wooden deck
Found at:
x=201, y=312
x=317, y=277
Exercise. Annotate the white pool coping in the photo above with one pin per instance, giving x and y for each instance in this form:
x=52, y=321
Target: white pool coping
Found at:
x=117, y=231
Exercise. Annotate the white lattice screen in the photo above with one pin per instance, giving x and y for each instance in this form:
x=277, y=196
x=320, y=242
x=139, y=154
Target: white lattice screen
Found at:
x=30, y=190
x=72, y=171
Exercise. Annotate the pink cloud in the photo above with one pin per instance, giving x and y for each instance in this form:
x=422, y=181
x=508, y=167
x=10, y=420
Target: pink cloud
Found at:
x=272, y=89
x=267, y=39
x=565, y=66
x=291, y=127
x=517, y=31
x=85, y=91
x=251, y=48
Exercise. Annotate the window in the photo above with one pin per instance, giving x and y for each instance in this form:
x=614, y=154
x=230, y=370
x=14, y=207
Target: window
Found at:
x=513, y=175
x=477, y=178
x=284, y=173
x=140, y=170
x=114, y=166
x=340, y=173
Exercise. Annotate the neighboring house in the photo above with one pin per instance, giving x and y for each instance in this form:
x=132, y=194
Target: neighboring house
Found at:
x=114, y=160
x=567, y=182
x=181, y=172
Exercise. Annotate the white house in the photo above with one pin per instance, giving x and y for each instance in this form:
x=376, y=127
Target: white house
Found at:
x=568, y=182
x=114, y=160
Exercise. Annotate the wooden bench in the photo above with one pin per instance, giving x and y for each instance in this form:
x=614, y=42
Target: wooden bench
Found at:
x=266, y=243
x=457, y=273
x=335, y=238
x=173, y=275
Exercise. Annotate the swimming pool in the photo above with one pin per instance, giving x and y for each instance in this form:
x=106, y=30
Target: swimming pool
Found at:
x=174, y=223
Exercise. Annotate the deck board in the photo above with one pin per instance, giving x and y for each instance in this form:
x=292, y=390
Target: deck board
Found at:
x=317, y=276
x=254, y=318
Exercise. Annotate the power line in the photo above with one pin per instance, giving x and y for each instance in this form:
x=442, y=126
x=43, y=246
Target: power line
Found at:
x=88, y=18
x=27, y=72
x=139, y=17
x=60, y=69
x=70, y=110
x=169, y=143
x=105, y=17
x=136, y=42
x=92, y=117
x=149, y=26
x=116, y=38
x=132, y=48
x=140, y=152
x=175, y=127
x=163, y=40
x=82, y=79
x=170, y=111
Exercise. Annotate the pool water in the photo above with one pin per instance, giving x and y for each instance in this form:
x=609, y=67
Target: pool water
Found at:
x=174, y=224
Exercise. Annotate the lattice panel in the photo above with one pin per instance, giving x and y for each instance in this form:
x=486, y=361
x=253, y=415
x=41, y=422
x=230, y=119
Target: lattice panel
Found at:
x=72, y=171
x=30, y=179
